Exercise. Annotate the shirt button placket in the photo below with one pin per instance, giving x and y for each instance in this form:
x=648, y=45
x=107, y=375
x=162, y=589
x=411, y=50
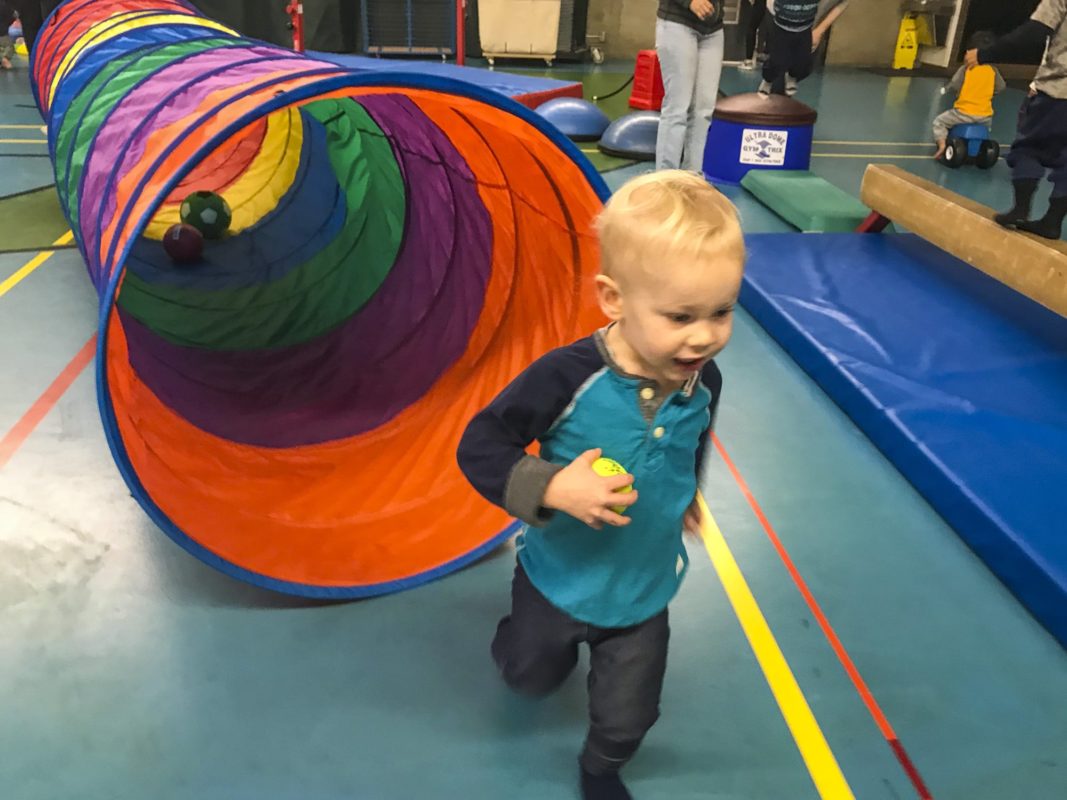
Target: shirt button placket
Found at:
x=656, y=448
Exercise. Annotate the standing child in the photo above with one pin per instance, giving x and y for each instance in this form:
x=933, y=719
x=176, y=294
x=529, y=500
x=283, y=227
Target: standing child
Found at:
x=975, y=88
x=594, y=565
x=793, y=41
x=1041, y=141
x=7, y=50
x=32, y=14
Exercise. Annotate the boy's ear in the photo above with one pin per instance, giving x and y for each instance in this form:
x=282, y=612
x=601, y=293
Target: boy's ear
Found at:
x=609, y=296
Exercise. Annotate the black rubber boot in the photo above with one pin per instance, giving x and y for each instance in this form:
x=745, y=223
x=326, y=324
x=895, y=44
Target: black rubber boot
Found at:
x=1049, y=226
x=1020, y=212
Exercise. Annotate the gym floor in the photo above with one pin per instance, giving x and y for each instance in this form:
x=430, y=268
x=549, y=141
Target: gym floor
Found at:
x=832, y=630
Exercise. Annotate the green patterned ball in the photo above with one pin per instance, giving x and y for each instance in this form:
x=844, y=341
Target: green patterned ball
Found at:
x=208, y=212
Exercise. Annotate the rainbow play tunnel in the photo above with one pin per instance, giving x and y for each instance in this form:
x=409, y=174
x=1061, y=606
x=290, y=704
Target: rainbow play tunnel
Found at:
x=288, y=408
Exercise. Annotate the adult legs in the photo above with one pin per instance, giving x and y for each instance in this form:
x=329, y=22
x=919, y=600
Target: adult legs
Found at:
x=676, y=47
x=705, y=94
x=755, y=13
x=1042, y=143
x=1037, y=144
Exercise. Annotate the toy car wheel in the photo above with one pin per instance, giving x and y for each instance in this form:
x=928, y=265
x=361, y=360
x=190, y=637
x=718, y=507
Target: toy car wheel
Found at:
x=955, y=153
x=988, y=154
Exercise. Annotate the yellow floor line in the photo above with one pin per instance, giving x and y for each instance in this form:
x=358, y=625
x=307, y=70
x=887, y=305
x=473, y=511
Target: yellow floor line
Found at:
x=33, y=264
x=23, y=141
x=10, y=127
x=869, y=155
x=927, y=145
x=875, y=144
x=822, y=765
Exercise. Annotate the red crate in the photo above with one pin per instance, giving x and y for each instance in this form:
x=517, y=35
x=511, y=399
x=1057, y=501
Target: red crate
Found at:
x=647, y=93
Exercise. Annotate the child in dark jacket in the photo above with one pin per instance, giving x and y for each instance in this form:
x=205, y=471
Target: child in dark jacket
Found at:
x=794, y=38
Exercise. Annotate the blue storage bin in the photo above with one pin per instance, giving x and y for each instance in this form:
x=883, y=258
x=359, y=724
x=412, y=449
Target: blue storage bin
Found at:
x=749, y=131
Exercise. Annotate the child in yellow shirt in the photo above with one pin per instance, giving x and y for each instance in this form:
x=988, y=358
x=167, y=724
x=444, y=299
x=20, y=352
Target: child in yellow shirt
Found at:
x=974, y=102
x=7, y=49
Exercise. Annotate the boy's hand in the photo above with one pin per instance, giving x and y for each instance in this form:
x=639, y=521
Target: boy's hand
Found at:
x=702, y=8
x=693, y=518
x=971, y=58
x=588, y=497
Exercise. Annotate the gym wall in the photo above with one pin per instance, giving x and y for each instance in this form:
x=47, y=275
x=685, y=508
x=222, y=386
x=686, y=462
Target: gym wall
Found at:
x=329, y=25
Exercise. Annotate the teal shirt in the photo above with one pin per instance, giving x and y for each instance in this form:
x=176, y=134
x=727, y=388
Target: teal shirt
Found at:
x=573, y=400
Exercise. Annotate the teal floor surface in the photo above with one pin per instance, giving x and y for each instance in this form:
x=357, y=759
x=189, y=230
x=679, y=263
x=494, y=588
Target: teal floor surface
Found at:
x=129, y=670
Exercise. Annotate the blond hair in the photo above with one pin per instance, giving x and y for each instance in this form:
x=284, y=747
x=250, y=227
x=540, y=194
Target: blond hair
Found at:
x=667, y=216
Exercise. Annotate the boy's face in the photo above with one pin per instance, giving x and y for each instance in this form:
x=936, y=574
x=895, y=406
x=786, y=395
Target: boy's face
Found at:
x=672, y=322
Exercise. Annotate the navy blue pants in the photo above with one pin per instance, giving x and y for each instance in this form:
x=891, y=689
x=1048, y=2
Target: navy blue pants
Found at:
x=787, y=52
x=1041, y=142
x=536, y=648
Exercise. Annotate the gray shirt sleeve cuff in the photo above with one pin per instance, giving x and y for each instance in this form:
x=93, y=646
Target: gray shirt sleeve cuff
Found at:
x=1050, y=14
x=525, y=490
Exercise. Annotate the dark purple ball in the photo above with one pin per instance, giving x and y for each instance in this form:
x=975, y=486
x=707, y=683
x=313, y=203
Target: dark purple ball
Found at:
x=183, y=243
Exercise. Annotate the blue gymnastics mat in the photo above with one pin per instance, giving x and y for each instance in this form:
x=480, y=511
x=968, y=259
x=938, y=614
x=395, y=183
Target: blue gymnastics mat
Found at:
x=527, y=89
x=959, y=380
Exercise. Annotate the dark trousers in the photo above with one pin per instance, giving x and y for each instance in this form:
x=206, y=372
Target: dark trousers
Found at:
x=536, y=648
x=1041, y=142
x=755, y=13
x=787, y=52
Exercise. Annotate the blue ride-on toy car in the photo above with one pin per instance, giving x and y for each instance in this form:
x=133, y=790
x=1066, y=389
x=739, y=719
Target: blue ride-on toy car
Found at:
x=970, y=144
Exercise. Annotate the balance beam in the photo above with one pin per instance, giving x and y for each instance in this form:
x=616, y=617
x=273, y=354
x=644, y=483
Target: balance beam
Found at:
x=1031, y=265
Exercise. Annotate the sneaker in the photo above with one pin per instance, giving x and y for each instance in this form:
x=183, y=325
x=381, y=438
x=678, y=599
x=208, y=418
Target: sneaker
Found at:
x=764, y=89
x=603, y=787
x=748, y=64
x=790, y=85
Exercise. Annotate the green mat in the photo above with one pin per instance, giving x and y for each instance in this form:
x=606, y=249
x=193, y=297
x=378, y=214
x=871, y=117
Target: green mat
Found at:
x=32, y=220
x=806, y=201
x=601, y=161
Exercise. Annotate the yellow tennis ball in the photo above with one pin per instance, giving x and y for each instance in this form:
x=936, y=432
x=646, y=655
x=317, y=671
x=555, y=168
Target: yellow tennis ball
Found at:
x=607, y=467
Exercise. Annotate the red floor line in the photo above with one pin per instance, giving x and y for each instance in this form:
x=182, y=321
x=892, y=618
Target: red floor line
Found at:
x=14, y=438
x=835, y=643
